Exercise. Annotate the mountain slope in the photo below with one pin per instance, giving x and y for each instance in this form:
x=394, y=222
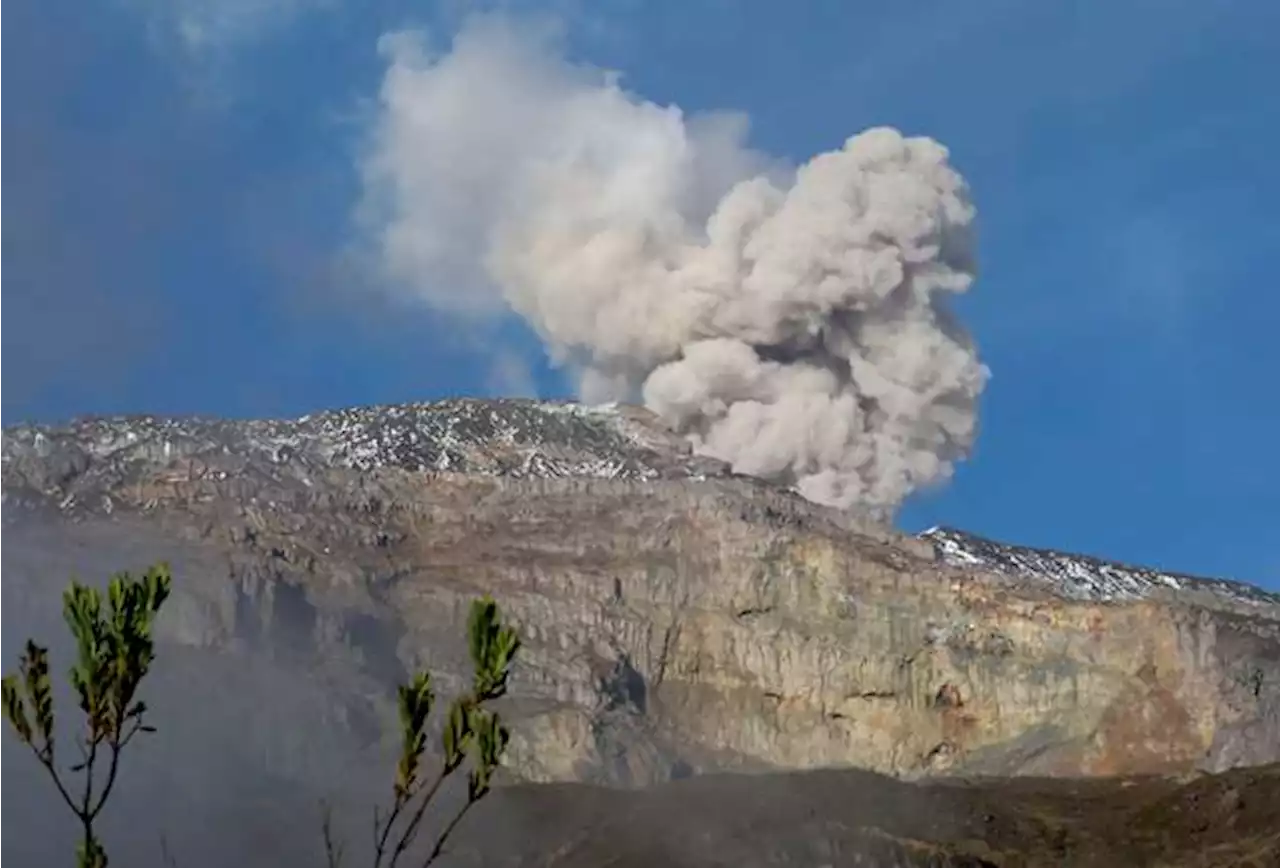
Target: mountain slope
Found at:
x=678, y=618
x=847, y=817
x=1082, y=577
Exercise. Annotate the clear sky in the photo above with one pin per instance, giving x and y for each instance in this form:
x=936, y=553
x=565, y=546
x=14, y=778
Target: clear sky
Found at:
x=181, y=177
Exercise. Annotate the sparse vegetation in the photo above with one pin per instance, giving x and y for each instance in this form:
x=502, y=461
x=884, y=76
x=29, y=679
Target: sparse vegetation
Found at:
x=469, y=727
x=114, y=653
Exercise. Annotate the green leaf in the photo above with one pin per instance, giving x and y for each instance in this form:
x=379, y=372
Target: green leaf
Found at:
x=477, y=785
x=491, y=739
x=89, y=854
x=456, y=734
x=35, y=667
x=15, y=710
x=415, y=701
x=493, y=648
x=82, y=610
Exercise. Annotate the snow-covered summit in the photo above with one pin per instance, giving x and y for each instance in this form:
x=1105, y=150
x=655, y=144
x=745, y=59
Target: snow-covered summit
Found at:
x=1080, y=577
x=518, y=438
x=86, y=464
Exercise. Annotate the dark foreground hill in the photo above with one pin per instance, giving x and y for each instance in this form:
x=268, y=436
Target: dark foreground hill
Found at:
x=854, y=818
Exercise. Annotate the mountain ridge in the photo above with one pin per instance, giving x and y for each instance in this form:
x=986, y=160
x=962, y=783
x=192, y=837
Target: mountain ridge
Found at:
x=678, y=618
x=1081, y=576
x=525, y=438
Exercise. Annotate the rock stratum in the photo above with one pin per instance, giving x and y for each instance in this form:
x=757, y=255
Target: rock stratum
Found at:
x=677, y=618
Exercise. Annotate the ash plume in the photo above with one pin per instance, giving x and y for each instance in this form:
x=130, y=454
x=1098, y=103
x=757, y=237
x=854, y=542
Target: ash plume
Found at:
x=791, y=321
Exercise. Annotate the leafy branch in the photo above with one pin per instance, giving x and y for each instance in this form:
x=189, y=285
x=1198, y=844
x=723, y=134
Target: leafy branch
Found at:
x=114, y=652
x=470, y=729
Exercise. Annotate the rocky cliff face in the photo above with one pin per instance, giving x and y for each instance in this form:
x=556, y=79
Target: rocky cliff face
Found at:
x=677, y=618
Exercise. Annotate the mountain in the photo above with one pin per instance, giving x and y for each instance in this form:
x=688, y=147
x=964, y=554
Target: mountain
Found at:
x=678, y=619
x=1081, y=577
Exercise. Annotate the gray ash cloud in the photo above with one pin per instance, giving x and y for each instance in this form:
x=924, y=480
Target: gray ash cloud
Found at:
x=791, y=321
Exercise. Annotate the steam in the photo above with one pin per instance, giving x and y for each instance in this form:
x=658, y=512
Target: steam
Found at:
x=789, y=321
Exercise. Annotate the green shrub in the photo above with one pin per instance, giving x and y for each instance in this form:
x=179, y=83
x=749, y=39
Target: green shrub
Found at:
x=469, y=728
x=114, y=653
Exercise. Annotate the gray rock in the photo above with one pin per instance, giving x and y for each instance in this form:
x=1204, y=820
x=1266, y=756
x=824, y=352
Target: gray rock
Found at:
x=677, y=618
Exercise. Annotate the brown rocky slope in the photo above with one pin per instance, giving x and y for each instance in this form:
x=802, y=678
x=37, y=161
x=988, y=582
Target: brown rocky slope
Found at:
x=854, y=818
x=677, y=618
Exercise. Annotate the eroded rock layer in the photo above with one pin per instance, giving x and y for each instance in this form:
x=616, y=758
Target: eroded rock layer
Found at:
x=677, y=618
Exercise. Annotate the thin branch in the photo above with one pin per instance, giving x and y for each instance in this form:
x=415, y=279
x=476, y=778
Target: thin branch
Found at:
x=84, y=755
x=85, y=813
x=165, y=853
x=47, y=762
x=380, y=847
x=111, y=780
x=332, y=851
x=115, y=743
x=411, y=830
x=137, y=728
x=448, y=830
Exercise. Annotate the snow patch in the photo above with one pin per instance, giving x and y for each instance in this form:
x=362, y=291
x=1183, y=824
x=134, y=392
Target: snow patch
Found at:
x=1079, y=577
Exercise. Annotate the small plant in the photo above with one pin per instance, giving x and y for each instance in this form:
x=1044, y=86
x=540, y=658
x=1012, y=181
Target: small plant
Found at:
x=114, y=652
x=470, y=728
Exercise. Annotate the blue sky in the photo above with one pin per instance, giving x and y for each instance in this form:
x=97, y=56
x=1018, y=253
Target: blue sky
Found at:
x=182, y=175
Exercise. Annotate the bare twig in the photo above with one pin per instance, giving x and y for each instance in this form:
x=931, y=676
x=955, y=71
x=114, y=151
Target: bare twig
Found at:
x=332, y=850
x=166, y=854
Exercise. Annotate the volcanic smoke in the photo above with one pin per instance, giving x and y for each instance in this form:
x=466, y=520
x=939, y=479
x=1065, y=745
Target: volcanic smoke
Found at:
x=789, y=320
